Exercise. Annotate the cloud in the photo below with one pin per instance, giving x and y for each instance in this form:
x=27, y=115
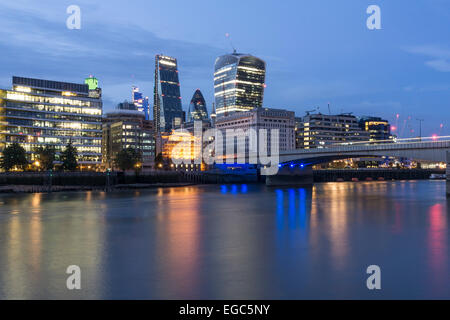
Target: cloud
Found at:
x=439, y=65
x=119, y=57
x=439, y=57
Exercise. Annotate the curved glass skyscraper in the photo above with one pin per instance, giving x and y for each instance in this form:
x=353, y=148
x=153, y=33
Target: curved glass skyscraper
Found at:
x=167, y=111
x=197, y=107
x=238, y=83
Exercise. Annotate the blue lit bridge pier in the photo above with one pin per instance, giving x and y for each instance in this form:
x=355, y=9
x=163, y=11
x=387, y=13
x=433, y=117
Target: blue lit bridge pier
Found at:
x=291, y=174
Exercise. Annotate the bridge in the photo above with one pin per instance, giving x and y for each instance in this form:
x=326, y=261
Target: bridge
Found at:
x=296, y=165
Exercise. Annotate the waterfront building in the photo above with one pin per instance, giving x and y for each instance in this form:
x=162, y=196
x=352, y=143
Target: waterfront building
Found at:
x=124, y=129
x=319, y=130
x=197, y=107
x=178, y=151
x=262, y=118
x=37, y=113
x=239, y=82
x=378, y=128
x=167, y=110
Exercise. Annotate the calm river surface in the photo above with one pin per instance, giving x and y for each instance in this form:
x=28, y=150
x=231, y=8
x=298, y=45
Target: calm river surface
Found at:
x=229, y=242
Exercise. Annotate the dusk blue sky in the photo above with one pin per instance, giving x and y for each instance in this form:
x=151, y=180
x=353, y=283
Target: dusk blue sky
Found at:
x=317, y=51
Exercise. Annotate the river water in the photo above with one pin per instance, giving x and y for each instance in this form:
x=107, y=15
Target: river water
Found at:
x=229, y=242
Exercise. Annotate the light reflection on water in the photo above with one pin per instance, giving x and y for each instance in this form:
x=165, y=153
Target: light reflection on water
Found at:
x=229, y=241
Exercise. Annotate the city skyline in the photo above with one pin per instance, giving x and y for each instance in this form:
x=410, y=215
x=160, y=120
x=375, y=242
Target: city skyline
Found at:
x=402, y=69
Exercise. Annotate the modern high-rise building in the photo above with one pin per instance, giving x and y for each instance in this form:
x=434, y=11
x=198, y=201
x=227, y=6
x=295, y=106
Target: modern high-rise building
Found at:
x=37, y=113
x=167, y=110
x=127, y=129
x=138, y=98
x=140, y=102
x=239, y=82
x=378, y=129
x=146, y=107
x=320, y=130
x=197, y=107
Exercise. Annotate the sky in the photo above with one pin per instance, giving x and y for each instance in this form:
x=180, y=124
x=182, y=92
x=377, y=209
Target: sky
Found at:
x=317, y=51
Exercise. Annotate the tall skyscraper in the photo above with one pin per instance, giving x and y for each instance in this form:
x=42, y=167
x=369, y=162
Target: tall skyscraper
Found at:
x=146, y=107
x=197, y=107
x=140, y=102
x=138, y=99
x=238, y=83
x=167, y=111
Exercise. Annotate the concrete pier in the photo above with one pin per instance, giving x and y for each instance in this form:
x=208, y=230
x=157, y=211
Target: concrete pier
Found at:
x=288, y=176
x=448, y=174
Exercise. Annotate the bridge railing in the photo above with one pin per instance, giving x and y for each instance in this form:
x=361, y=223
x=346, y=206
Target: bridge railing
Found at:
x=433, y=138
x=425, y=142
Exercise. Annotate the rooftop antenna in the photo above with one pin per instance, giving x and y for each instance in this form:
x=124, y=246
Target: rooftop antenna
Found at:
x=231, y=42
x=329, y=110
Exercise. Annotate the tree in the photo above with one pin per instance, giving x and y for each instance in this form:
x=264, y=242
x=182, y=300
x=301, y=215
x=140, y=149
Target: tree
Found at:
x=69, y=158
x=128, y=158
x=46, y=157
x=14, y=155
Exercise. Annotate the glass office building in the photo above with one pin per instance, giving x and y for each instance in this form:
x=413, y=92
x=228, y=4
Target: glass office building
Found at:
x=38, y=112
x=378, y=128
x=238, y=83
x=127, y=129
x=140, y=102
x=167, y=110
x=197, y=107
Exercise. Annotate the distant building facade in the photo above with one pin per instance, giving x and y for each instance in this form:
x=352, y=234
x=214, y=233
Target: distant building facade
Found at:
x=378, y=128
x=124, y=129
x=178, y=151
x=140, y=102
x=197, y=107
x=239, y=82
x=126, y=105
x=167, y=110
x=37, y=113
x=262, y=118
x=320, y=130
x=298, y=132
